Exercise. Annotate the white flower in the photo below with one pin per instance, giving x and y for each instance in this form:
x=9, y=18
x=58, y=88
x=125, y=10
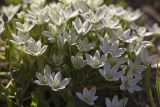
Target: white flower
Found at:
x=131, y=16
x=57, y=17
x=96, y=61
x=88, y=96
x=58, y=57
x=109, y=73
x=78, y=61
x=69, y=13
x=21, y=37
x=154, y=61
x=129, y=83
x=10, y=11
x=149, y=60
x=35, y=48
x=36, y=3
x=94, y=17
x=115, y=102
x=113, y=48
x=53, y=32
x=84, y=45
x=110, y=22
x=80, y=5
x=37, y=16
x=26, y=27
x=94, y=3
x=43, y=80
x=68, y=1
x=137, y=45
x=70, y=37
x=155, y=29
x=117, y=60
x=56, y=82
x=142, y=31
x=129, y=36
x=135, y=68
x=81, y=27
x=115, y=10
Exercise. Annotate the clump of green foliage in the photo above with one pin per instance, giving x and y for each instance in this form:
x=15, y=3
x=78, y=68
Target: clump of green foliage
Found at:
x=60, y=54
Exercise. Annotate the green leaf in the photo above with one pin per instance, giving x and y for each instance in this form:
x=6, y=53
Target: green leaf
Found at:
x=41, y=101
x=67, y=70
x=9, y=102
x=70, y=99
x=148, y=86
x=158, y=87
x=13, y=1
x=34, y=102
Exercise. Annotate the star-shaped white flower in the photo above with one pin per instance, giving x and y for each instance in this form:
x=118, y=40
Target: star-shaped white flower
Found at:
x=43, y=79
x=96, y=61
x=129, y=83
x=88, y=96
x=78, y=61
x=20, y=38
x=25, y=27
x=115, y=102
x=113, y=48
x=35, y=48
x=81, y=28
x=84, y=45
x=151, y=60
x=94, y=17
x=56, y=83
x=10, y=10
x=135, y=68
x=109, y=73
x=110, y=22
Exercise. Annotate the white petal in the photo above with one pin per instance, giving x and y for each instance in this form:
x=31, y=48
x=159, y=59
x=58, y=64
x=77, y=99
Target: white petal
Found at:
x=64, y=83
x=122, y=87
x=80, y=96
x=43, y=49
x=85, y=92
x=40, y=77
x=50, y=81
x=137, y=88
x=108, y=102
x=97, y=54
x=38, y=82
x=115, y=100
x=92, y=91
x=90, y=103
x=107, y=66
x=58, y=76
x=47, y=69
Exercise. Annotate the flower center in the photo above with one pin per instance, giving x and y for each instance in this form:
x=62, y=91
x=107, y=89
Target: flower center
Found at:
x=109, y=75
x=88, y=98
x=56, y=83
x=96, y=62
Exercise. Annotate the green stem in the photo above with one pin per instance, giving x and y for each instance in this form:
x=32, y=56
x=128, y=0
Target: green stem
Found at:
x=157, y=82
x=148, y=86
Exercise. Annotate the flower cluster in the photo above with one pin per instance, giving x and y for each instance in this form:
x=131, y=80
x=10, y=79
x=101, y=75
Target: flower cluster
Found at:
x=82, y=36
x=53, y=80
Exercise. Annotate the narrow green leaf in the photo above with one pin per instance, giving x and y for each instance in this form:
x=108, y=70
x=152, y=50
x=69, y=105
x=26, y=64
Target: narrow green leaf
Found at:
x=9, y=102
x=158, y=87
x=70, y=99
x=34, y=101
x=148, y=86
